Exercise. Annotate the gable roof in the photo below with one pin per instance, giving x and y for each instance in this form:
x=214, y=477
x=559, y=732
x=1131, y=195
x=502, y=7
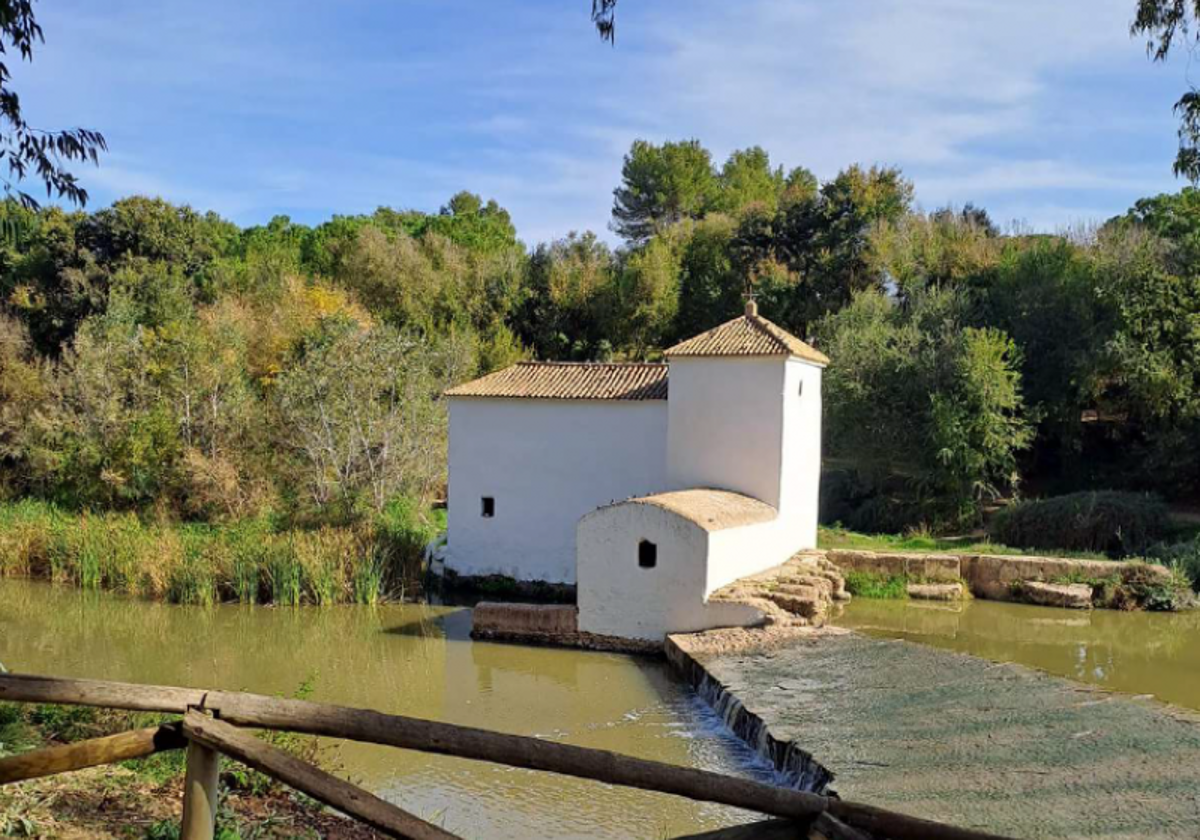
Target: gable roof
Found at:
x=749, y=335
x=570, y=381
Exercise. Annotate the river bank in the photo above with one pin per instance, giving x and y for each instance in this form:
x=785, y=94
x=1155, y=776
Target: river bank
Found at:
x=252, y=561
x=144, y=798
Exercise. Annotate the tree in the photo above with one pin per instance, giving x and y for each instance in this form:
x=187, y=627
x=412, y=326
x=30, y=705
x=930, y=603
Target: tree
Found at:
x=970, y=215
x=816, y=250
x=568, y=312
x=1151, y=359
x=710, y=285
x=747, y=178
x=921, y=407
x=945, y=248
x=660, y=186
x=648, y=293
x=27, y=150
x=361, y=415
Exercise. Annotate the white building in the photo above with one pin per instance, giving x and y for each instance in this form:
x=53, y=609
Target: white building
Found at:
x=648, y=485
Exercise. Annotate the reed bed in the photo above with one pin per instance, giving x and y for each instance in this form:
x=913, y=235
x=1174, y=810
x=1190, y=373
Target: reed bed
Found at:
x=250, y=562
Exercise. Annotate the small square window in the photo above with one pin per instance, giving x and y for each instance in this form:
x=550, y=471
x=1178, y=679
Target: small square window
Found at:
x=647, y=554
x=489, y=507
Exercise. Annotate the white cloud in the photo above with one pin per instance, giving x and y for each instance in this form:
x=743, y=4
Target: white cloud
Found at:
x=1027, y=106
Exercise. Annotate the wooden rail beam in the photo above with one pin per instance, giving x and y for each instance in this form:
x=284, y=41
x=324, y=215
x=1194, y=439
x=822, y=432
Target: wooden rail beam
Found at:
x=318, y=784
x=467, y=742
x=124, y=746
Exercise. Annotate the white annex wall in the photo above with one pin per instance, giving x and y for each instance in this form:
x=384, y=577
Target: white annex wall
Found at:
x=546, y=463
x=619, y=598
x=726, y=425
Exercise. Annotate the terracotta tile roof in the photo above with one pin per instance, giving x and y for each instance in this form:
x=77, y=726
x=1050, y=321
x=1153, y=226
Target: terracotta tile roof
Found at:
x=570, y=381
x=712, y=510
x=749, y=335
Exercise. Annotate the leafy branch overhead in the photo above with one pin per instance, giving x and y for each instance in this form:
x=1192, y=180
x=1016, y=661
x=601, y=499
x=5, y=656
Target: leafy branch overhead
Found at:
x=604, y=14
x=1165, y=24
x=29, y=151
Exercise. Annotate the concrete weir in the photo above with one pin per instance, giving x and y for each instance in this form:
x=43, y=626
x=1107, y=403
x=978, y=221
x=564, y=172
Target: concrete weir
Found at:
x=797, y=767
x=958, y=739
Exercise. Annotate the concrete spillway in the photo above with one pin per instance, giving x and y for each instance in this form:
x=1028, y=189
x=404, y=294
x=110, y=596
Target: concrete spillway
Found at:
x=796, y=767
x=960, y=739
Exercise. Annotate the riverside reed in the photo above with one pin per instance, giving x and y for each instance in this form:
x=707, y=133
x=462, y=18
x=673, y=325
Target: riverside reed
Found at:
x=252, y=561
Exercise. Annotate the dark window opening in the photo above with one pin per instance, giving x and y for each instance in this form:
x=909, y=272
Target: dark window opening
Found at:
x=647, y=554
x=489, y=507
x=800, y=391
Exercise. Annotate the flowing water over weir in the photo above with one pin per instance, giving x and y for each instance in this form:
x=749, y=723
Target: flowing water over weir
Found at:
x=795, y=767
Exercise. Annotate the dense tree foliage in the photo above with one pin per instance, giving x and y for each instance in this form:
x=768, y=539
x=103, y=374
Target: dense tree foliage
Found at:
x=158, y=359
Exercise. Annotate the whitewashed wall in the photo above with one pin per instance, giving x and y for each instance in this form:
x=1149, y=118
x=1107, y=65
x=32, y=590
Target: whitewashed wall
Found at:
x=619, y=598
x=546, y=463
x=726, y=425
x=801, y=474
x=752, y=425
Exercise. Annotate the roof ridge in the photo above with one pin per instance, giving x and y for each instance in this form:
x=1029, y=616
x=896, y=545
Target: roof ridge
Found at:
x=747, y=335
x=769, y=329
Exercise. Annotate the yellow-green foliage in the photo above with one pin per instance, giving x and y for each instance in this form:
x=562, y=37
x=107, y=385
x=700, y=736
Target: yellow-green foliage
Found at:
x=248, y=561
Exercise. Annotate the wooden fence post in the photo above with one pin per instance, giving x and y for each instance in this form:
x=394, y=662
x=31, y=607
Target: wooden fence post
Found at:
x=200, y=793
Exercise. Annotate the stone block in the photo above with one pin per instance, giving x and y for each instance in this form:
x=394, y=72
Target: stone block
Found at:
x=935, y=591
x=1077, y=596
x=499, y=620
x=934, y=567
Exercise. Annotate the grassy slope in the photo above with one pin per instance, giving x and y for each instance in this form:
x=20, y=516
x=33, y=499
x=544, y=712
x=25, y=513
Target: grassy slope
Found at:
x=834, y=537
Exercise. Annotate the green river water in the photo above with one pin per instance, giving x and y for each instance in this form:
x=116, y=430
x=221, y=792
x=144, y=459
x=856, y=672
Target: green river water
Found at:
x=1137, y=653
x=418, y=660
x=412, y=660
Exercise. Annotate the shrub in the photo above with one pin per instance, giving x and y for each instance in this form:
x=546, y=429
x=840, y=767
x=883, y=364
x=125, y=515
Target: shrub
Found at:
x=872, y=585
x=1118, y=524
x=1184, y=557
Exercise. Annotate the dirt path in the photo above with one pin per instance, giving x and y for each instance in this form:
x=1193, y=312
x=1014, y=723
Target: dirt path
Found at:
x=975, y=743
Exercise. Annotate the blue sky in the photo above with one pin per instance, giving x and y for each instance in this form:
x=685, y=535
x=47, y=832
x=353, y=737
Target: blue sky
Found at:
x=1044, y=111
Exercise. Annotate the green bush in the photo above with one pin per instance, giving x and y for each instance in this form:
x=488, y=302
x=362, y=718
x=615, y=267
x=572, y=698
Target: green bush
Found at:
x=880, y=586
x=1184, y=557
x=1118, y=524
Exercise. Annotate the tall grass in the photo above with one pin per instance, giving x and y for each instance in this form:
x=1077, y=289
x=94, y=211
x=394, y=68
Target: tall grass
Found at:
x=250, y=561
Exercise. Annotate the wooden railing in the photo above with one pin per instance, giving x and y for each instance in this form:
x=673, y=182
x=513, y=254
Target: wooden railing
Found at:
x=212, y=724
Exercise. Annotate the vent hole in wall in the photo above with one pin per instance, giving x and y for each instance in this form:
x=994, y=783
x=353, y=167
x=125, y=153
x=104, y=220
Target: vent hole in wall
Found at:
x=647, y=554
x=489, y=507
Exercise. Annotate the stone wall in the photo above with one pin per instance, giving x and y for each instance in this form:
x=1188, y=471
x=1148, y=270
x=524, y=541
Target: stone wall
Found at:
x=994, y=577
x=546, y=624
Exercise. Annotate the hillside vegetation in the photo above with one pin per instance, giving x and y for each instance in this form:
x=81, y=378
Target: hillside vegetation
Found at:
x=168, y=364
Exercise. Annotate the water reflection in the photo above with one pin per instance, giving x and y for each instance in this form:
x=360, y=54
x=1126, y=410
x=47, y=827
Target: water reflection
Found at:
x=412, y=660
x=1135, y=652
